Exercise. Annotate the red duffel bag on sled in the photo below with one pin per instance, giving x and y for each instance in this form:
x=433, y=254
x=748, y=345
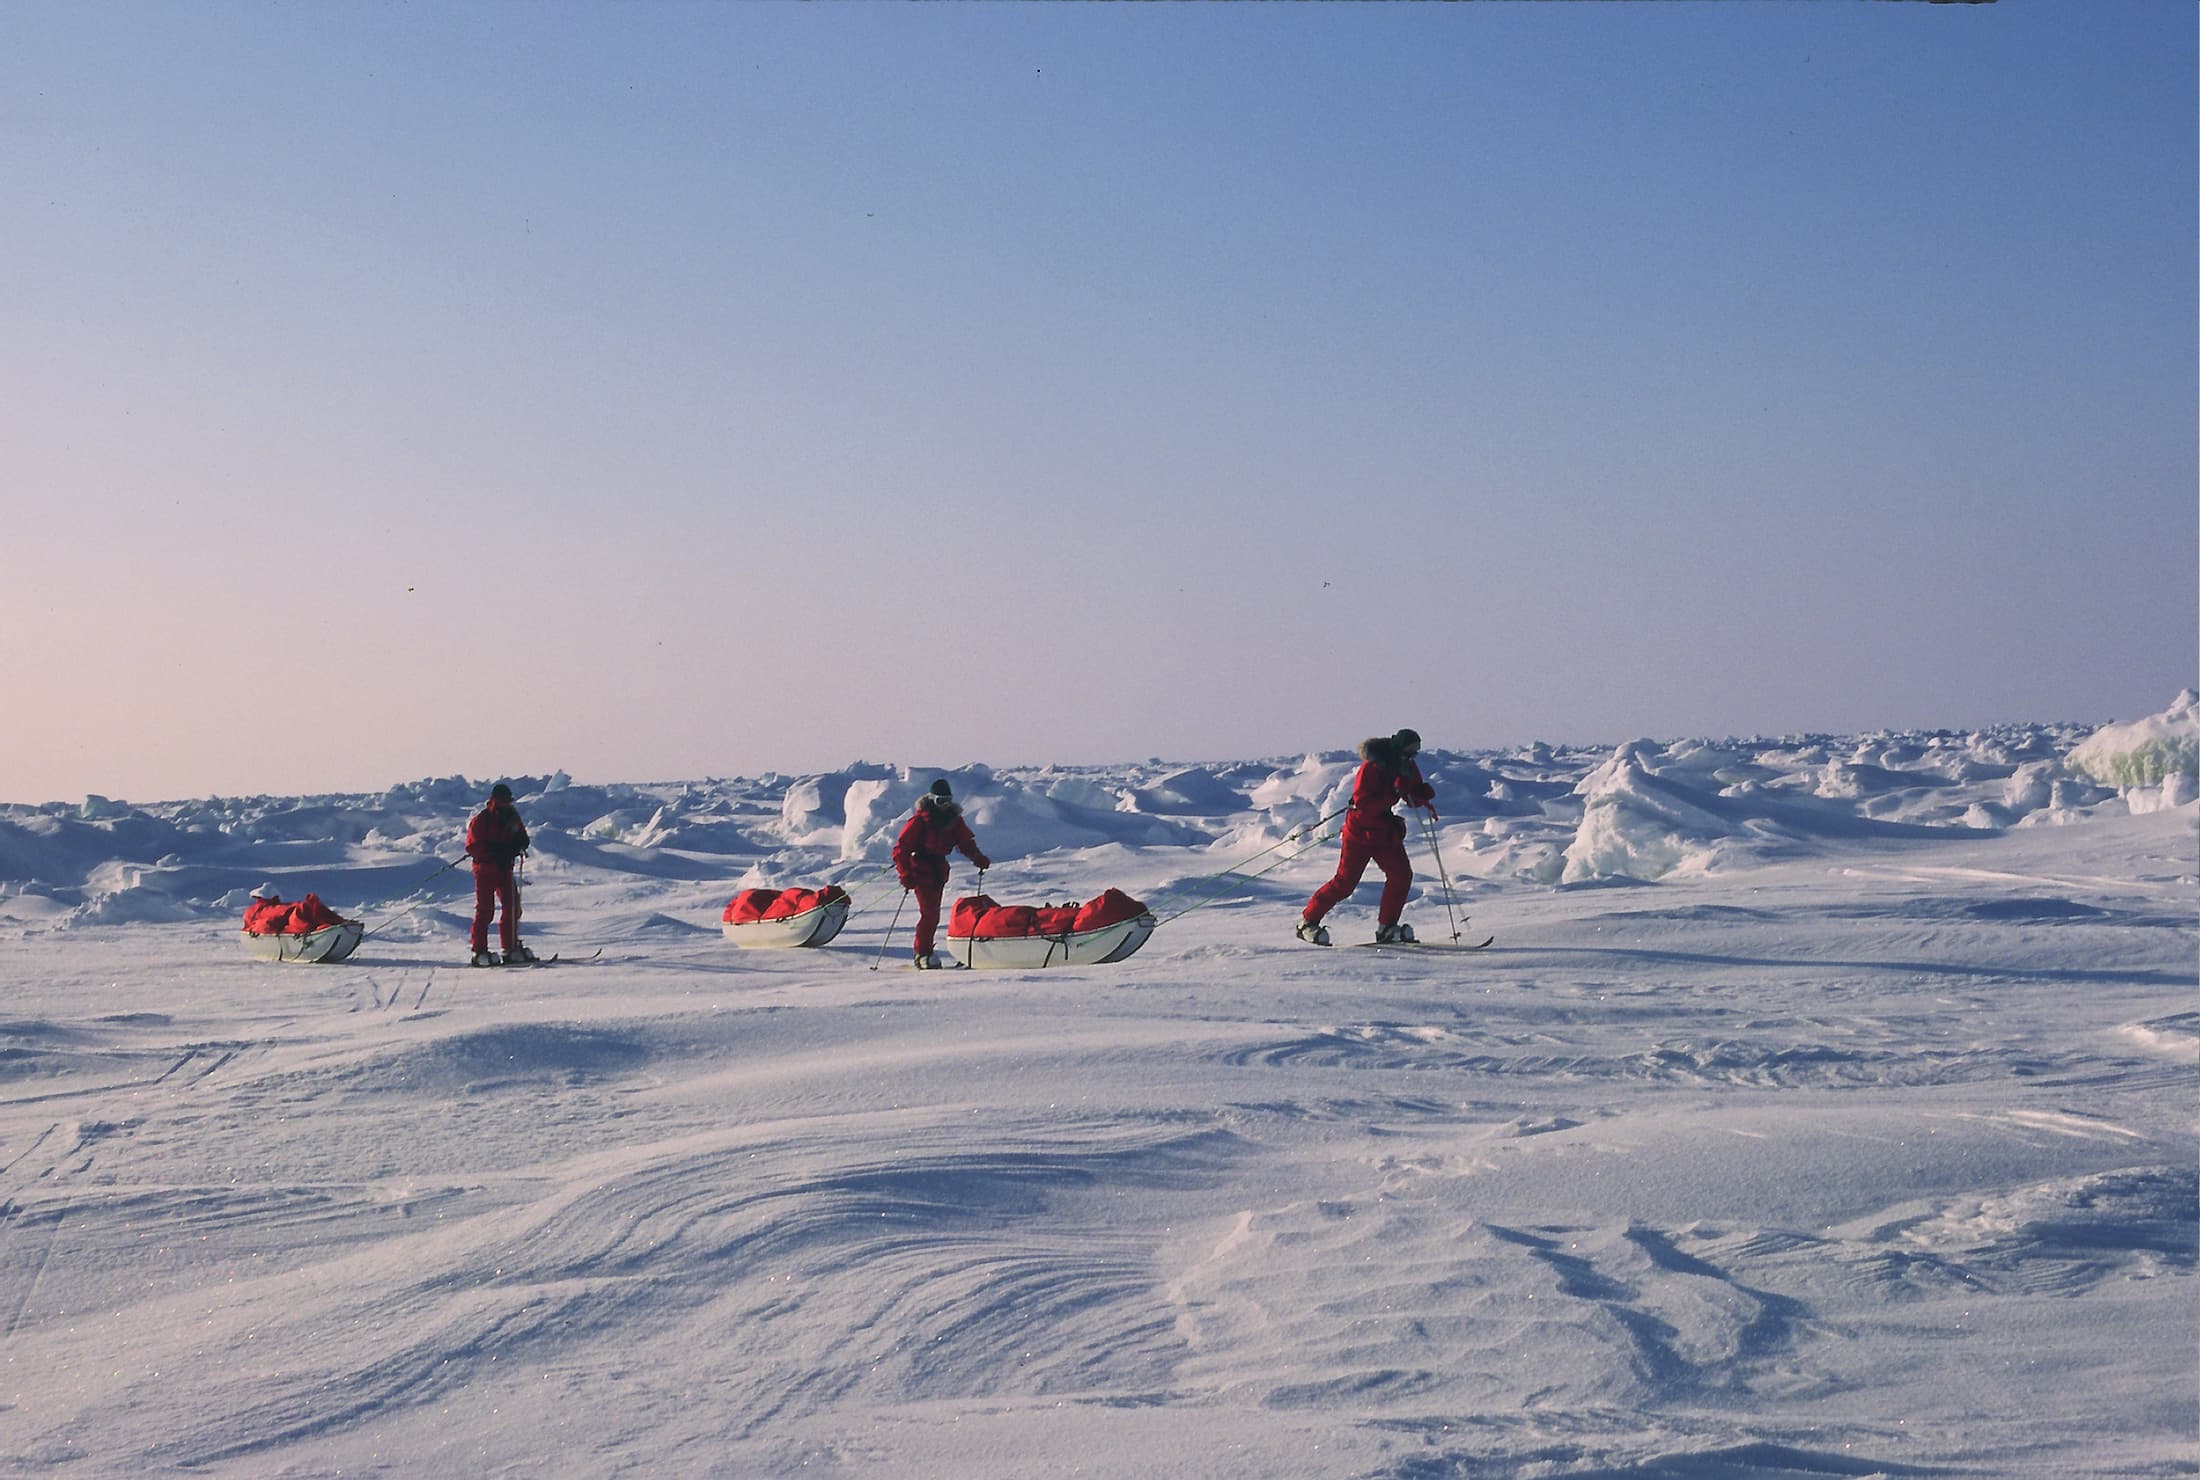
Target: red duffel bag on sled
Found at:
x=981, y=932
x=299, y=930
x=786, y=917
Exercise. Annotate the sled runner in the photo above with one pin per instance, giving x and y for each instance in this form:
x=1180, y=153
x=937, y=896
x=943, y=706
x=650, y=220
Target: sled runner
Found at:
x=785, y=917
x=329, y=943
x=305, y=931
x=983, y=933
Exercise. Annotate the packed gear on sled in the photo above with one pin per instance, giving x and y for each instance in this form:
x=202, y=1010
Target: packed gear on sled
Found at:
x=1389, y=773
x=267, y=915
x=934, y=830
x=785, y=917
x=981, y=932
x=301, y=930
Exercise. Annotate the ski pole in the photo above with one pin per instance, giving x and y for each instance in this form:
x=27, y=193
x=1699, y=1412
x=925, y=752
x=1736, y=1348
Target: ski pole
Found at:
x=1428, y=830
x=889, y=936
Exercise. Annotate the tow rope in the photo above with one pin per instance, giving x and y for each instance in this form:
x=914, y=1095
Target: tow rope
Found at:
x=1204, y=887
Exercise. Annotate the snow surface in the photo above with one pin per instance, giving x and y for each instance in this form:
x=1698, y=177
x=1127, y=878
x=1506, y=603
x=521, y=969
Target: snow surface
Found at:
x=1860, y=1142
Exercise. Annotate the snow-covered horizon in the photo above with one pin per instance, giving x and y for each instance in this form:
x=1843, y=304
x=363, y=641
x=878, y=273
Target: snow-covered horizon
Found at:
x=1636, y=810
x=1825, y=1106
x=119, y=796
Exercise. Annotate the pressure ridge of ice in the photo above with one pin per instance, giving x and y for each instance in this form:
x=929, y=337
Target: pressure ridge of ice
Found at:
x=1644, y=810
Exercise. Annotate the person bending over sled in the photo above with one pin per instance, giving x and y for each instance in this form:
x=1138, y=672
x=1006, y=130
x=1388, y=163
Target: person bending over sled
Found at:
x=1390, y=773
x=494, y=841
x=933, y=831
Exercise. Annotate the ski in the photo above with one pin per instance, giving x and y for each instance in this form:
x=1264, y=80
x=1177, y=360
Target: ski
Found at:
x=550, y=960
x=1432, y=945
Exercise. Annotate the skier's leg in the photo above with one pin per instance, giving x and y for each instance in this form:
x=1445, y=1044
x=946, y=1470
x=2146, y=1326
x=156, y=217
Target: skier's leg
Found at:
x=1390, y=857
x=1351, y=865
x=485, y=905
x=508, y=925
x=928, y=893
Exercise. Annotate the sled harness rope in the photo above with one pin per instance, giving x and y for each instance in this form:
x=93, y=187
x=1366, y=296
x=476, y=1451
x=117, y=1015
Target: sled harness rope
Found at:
x=1205, y=889
x=863, y=881
x=424, y=881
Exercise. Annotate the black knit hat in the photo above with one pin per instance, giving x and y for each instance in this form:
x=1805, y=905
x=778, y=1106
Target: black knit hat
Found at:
x=500, y=793
x=941, y=789
x=1406, y=740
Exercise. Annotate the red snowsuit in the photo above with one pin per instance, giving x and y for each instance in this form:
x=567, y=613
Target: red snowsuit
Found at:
x=1374, y=833
x=920, y=858
x=494, y=839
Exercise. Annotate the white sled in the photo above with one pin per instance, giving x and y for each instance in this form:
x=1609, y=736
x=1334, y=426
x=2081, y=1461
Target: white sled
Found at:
x=329, y=943
x=813, y=927
x=1076, y=948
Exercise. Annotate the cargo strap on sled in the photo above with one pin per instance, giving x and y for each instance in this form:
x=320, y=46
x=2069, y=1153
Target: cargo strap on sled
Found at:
x=1054, y=943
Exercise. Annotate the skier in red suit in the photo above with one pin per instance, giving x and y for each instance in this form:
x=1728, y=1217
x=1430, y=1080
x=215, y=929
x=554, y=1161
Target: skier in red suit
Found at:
x=494, y=841
x=933, y=831
x=1390, y=773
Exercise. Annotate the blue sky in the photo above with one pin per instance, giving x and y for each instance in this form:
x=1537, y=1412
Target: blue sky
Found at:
x=666, y=390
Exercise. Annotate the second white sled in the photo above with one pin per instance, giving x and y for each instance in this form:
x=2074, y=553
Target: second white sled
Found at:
x=811, y=927
x=1074, y=948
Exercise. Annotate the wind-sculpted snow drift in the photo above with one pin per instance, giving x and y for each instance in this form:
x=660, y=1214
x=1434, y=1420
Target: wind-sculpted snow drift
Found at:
x=1824, y=1108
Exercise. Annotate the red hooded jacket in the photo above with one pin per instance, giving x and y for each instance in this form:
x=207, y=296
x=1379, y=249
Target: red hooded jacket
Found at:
x=496, y=836
x=920, y=853
x=1386, y=779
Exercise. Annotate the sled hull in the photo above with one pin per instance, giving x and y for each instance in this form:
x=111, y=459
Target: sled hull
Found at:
x=1031, y=952
x=329, y=943
x=813, y=927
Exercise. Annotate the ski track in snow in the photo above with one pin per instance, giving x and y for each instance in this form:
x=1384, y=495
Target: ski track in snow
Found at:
x=1867, y=1154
